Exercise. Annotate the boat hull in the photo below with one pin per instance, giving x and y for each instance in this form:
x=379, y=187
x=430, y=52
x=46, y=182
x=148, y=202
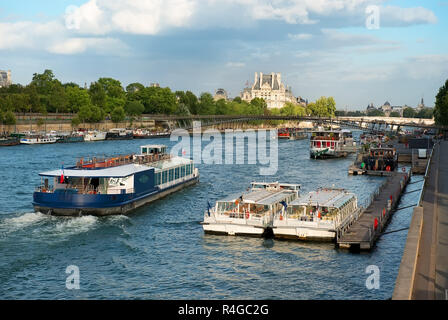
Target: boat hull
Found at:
x=105, y=206
x=306, y=234
x=9, y=142
x=232, y=229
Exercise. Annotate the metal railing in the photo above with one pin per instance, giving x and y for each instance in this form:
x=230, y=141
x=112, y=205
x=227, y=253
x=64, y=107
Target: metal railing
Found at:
x=426, y=174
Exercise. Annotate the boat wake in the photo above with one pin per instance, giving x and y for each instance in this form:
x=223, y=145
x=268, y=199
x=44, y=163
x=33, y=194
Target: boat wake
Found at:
x=72, y=226
x=10, y=225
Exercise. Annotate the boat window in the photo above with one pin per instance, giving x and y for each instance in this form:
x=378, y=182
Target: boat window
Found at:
x=176, y=175
x=182, y=171
x=171, y=174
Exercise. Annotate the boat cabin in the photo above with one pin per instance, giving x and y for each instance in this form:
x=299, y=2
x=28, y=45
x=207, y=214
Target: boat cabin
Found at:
x=322, y=205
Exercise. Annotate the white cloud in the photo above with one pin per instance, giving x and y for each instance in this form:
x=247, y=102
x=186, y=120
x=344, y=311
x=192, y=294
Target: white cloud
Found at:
x=80, y=45
x=53, y=37
x=300, y=36
x=130, y=16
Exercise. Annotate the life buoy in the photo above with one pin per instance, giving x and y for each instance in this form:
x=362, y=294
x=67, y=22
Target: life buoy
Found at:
x=247, y=215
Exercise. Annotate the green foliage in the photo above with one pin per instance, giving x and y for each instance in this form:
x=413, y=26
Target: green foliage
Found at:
x=134, y=108
x=394, y=114
x=441, y=106
x=323, y=107
x=291, y=109
x=409, y=113
x=376, y=113
x=425, y=113
x=77, y=98
x=118, y=115
x=9, y=118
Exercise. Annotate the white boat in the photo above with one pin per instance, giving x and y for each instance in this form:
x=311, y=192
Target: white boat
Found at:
x=319, y=215
x=95, y=136
x=249, y=213
x=331, y=144
x=38, y=140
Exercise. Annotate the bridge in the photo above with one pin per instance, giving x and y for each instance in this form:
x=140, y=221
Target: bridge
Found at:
x=372, y=124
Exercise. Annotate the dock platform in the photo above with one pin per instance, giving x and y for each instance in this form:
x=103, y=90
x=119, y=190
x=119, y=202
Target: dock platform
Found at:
x=363, y=233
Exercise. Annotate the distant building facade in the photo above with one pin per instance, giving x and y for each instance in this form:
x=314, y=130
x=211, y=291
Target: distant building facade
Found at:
x=420, y=106
x=155, y=85
x=220, y=94
x=5, y=78
x=270, y=88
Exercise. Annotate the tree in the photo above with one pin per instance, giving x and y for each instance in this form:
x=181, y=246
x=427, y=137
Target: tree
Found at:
x=118, y=115
x=85, y=113
x=75, y=121
x=43, y=82
x=9, y=118
x=260, y=106
x=425, y=113
x=206, y=104
x=375, y=113
x=441, y=106
x=77, y=98
x=323, y=107
x=394, y=114
x=134, y=109
x=97, y=95
x=57, y=98
x=409, y=113
x=134, y=87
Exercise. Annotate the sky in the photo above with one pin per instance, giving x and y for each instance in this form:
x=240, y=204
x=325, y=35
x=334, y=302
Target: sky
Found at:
x=358, y=51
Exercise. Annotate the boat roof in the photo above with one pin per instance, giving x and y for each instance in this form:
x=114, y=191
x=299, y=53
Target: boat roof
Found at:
x=333, y=198
x=154, y=146
x=172, y=162
x=111, y=172
x=263, y=197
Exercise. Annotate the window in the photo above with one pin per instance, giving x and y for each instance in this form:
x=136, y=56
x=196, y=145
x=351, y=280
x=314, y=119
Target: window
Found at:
x=176, y=173
x=164, y=177
x=171, y=174
x=182, y=171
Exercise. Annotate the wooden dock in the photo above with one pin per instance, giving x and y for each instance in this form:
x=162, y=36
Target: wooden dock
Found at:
x=363, y=233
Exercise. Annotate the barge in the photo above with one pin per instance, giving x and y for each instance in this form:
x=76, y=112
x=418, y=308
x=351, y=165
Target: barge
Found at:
x=250, y=213
x=113, y=186
x=331, y=144
x=318, y=216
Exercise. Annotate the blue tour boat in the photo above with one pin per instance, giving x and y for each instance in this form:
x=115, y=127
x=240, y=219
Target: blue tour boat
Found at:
x=113, y=185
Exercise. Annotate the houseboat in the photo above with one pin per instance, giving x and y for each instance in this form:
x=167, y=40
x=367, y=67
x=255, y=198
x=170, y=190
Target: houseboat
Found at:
x=115, y=185
x=317, y=216
x=331, y=144
x=375, y=161
x=249, y=213
x=94, y=136
x=38, y=140
x=119, y=134
x=9, y=141
x=141, y=134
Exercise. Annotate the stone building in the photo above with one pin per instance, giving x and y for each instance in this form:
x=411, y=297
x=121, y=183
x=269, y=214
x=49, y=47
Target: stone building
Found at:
x=270, y=88
x=5, y=78
x=220, y=94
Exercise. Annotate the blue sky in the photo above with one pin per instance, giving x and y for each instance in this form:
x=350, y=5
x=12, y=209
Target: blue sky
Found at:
x=322, y=48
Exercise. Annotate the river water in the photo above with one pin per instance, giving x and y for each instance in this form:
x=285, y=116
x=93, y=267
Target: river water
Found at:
x=161, y=252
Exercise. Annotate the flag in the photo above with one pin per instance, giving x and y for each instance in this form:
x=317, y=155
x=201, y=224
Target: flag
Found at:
x=184, y=152
x=61, y=181
x=209, y=206
x=285, y=205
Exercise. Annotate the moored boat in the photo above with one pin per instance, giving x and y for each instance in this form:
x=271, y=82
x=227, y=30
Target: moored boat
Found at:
x=9, y=141
x=119, y=134
x=318, y=215
x=114, y=185
x=331, y=144
x=95, y=136
x=38, y=140
x=249, y=213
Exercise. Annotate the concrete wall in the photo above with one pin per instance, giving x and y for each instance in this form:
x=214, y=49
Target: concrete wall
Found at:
x=406, y=275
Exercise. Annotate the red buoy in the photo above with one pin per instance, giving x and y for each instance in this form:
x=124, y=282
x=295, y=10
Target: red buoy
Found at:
x=375, y=223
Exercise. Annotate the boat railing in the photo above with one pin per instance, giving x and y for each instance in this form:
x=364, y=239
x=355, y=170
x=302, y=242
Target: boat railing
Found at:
x=95, y=163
